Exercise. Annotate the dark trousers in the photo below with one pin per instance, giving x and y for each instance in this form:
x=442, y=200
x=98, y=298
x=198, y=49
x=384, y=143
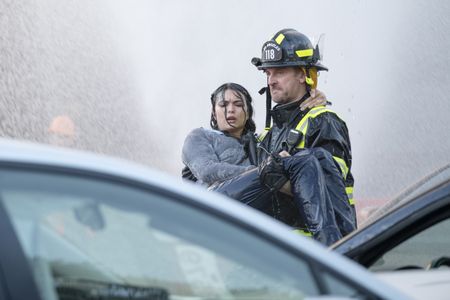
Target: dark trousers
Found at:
x=319, y=202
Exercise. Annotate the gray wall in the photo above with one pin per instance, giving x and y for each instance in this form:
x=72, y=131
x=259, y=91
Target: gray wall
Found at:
x=136, y=75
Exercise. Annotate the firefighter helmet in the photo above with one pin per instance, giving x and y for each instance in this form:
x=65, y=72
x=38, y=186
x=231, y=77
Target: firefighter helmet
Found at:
x=289, y=48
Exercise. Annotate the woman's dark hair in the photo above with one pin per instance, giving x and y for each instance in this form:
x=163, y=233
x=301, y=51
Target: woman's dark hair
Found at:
x=240, y=91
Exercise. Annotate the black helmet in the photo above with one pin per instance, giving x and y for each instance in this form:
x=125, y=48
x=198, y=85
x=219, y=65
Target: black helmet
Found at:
x=289, y=48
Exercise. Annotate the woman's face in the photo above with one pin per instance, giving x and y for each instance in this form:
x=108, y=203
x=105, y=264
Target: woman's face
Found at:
x=231, y=113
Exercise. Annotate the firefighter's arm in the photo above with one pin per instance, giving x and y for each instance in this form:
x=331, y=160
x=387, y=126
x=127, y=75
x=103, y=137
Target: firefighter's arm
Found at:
x=329, y=132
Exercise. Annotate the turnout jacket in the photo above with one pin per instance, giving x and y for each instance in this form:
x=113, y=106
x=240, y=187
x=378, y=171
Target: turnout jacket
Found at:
x=317, y=127
x=213, y=156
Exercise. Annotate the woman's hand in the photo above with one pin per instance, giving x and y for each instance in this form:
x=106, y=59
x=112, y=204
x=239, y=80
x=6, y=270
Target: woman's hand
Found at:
x=317, y=99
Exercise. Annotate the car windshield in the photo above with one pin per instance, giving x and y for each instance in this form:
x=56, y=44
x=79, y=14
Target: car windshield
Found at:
x=96, y=239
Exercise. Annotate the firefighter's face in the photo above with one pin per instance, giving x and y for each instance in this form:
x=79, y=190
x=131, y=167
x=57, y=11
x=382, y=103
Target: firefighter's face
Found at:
x=286, y=84
x=231, y=112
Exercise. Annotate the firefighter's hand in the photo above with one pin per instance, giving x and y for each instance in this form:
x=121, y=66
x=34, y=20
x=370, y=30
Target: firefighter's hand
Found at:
x=317, y=99
x=271, y=173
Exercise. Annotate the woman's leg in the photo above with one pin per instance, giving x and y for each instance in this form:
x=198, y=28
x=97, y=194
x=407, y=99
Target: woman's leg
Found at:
x=311, y=195
x=247, y=189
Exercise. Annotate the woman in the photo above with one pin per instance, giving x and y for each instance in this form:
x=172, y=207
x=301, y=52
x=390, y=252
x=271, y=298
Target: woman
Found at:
x=221, y=153
x=221, y=158
x=216, y=157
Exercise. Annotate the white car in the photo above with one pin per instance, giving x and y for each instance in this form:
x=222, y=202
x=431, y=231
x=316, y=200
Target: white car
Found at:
x=81, y=226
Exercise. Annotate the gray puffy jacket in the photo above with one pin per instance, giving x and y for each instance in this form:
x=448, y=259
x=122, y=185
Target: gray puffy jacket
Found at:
x=213, y=156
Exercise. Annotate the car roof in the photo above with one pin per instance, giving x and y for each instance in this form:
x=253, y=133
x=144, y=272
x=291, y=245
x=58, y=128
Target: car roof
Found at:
x=428, y=195
x=28, y=153
x=433, y=180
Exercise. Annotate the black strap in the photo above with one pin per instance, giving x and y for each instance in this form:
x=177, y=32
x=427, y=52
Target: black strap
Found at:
x=186, y=173
x=249, y=140
x=268, y=104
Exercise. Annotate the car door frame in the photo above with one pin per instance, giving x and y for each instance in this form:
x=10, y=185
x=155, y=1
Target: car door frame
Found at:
x=370, y=243
x=16, y=278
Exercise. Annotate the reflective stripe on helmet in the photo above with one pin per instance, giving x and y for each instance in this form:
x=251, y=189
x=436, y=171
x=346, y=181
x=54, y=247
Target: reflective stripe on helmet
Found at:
x=304, y=53
x=279, y=38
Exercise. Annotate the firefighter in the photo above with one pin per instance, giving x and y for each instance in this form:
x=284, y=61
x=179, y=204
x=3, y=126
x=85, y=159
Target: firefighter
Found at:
x=291, y=65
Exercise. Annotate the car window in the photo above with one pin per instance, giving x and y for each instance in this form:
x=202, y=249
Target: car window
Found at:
x=419, y=251
x=338, y=287
x=92, y=239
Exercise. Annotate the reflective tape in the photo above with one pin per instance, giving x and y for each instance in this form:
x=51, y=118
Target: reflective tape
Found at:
x=342, y=166
x=304, y=53
x=302, y=232
x=309, y=81
x=351, y=200
x=344, y=171
x=349, y=191
x=263, y=134
x=302, y=126
x=279, y=38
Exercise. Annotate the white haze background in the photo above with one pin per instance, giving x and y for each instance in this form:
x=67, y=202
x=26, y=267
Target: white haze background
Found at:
x=136, y=76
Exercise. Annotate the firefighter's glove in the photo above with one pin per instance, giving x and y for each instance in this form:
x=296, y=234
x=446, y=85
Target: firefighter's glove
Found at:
x=271, y=173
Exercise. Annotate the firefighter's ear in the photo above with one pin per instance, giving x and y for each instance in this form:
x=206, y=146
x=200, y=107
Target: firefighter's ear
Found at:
x=301, y=75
